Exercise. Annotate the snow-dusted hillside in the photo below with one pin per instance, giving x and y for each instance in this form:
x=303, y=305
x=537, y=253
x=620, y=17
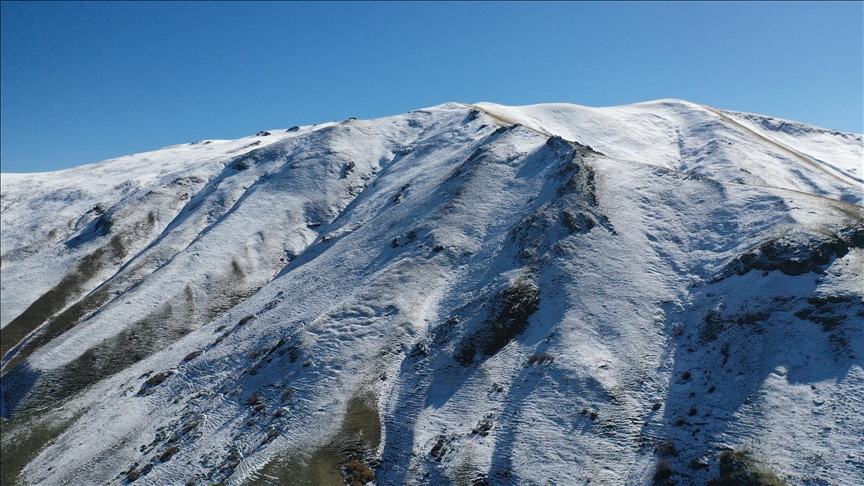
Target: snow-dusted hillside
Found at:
x=465, y=294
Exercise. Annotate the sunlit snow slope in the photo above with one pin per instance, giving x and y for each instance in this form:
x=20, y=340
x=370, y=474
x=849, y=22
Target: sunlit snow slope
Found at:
x=657, y=293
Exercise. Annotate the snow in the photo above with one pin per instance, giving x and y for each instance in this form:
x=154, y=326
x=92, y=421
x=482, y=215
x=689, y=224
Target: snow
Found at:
x=726, y=146
x=372, y=253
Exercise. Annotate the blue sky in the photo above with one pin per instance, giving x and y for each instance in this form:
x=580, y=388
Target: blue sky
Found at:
x=83, y=82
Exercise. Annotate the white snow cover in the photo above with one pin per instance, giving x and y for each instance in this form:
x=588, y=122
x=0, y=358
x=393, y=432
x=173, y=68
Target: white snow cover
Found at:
x=511, y=289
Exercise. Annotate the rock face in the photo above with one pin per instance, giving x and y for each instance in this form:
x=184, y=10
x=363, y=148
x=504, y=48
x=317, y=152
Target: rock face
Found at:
x=466, y=294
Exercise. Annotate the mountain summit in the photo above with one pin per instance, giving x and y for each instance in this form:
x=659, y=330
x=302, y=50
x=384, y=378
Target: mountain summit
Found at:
x=659, y=293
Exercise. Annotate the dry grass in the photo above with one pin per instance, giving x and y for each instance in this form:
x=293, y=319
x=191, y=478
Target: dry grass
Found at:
x=24, y=436
x=359, y=437
x=663, y=470
x=740, y=468
x=357, y=473
x=666, y=449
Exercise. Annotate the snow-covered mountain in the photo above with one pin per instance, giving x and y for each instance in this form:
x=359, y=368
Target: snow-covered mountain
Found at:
x=467, y=294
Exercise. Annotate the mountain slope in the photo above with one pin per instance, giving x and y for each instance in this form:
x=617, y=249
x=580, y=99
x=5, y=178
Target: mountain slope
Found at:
x=460, y=294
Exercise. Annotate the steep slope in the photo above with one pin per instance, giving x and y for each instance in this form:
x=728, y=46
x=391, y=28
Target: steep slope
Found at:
x=464, y=294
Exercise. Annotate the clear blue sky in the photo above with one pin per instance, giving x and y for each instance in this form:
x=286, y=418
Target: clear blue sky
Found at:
x=82, y=82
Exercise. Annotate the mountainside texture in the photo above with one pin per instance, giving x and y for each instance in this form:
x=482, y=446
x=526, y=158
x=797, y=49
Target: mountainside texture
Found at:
x=658, y=293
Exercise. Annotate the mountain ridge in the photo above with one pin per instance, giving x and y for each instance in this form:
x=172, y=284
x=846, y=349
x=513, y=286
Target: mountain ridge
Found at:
x=553, y=262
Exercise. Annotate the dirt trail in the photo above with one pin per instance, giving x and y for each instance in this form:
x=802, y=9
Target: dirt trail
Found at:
x=825, y=167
